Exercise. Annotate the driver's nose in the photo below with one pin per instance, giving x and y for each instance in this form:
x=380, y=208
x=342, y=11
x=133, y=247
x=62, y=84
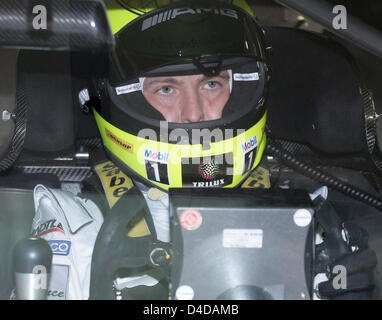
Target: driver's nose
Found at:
x=191, y=106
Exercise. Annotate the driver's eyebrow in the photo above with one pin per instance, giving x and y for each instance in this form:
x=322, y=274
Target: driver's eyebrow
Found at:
x=178, y=80
x=171, y=80
x=223, y=75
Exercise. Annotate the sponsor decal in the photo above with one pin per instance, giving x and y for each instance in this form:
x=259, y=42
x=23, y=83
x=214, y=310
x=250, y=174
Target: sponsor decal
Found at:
x=259, y=178
x=246, y=76
x=157, y=156
x=56, y=294
x=156, y=165
x=190, y=219
x=243, y=238
x=129, y=88
x=207, y=184
x=172, y=14
x=249, y=148
x=123, y=144
x=115, y=184
x=48, y=227
x=250, y=144
x=214, y=171
x=208, y=170
x=59, y=282
x=60, y=247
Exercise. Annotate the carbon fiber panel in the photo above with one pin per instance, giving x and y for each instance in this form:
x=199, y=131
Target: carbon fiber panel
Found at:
x=64, y=173
x=70, y=25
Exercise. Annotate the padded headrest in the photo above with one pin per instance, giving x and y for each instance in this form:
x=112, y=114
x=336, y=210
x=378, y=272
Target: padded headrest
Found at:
x=314, y=95
x=46, y=78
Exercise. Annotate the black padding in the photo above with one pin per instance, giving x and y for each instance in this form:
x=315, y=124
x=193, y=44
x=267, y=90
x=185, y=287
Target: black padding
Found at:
x=245, y=94
x=50, y=126
x=84, y=68
x=314, y=94
x=135, y=104
x=28, y=181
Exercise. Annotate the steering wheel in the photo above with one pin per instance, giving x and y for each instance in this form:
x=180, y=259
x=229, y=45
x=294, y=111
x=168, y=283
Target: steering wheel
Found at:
x=115, y=250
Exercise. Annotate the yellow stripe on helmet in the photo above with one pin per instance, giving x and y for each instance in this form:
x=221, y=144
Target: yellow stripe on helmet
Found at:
x=133, y=151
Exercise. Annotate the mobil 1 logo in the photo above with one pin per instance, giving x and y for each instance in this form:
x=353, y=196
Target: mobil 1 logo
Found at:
x=156, y=164
x=249, y=148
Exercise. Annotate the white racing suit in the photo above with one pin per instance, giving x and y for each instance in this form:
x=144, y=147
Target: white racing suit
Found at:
x=70, y=225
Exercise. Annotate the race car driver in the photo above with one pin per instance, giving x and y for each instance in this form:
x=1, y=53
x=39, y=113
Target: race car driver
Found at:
x=192, y=77
x=196, y=65
x=177, y=70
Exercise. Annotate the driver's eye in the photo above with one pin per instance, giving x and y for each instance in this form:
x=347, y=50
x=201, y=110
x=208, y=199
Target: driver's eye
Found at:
x=166, y=90
x=211, y=85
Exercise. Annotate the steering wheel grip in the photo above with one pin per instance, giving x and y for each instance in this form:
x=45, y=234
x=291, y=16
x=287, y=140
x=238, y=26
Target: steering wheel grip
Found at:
x=114, y=249
x=328, y=218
